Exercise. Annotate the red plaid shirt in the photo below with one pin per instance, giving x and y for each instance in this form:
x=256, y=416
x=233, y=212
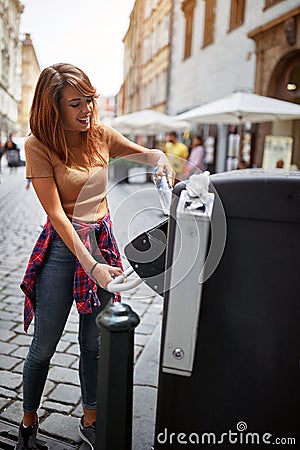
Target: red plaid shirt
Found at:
x=84, y=288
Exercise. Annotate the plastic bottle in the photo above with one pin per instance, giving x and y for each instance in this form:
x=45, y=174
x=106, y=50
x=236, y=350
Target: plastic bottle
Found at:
x=164, y=191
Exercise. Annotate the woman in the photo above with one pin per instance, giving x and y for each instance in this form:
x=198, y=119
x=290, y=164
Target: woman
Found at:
x=196, y=158
x=67, y=156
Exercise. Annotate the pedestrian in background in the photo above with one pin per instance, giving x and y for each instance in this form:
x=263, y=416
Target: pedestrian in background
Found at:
x=2, y=151
x=12, y=152
x=76, y=255
x=177, y=153
x=196, y=157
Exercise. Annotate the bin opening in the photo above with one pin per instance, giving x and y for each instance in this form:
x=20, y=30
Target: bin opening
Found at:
x=147, y=255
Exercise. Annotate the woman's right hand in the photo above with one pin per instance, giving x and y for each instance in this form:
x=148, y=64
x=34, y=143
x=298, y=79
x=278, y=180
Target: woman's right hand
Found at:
x=104, y=274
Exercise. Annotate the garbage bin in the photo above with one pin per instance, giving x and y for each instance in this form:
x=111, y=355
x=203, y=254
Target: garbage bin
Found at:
x=237, y=382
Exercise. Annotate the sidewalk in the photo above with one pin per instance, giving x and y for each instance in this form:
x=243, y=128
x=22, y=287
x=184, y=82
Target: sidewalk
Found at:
x=21, y=218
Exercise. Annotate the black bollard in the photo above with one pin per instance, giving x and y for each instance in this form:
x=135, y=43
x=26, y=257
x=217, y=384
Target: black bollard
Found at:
x=115, y=377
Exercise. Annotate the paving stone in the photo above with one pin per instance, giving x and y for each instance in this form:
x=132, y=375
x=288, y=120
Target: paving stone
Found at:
x=75, y=365
x=66, y=394
x=144, y=329
x=21, y=352
x=70, y=337
x=49, y=386
x=20, y=329
x=63, y=346
x=146, y=369
x=58, y=407
x=63, y=359
x=144, y=410
x=6, y=335
x=78, y=411
x=22, y=339
x=7, y=393
x=5, y=315
x=6, y=348
x=137, y=351
x=19, y=367
x=150, y=319
x=74, y=349
x=10, y=380
x=72, y=327
x=140, y=339
x=61, y=426
x=63, y=375
x=8, y=362
x=156, y=308
x=13, y=413
x=3, y=403
x=7, y=324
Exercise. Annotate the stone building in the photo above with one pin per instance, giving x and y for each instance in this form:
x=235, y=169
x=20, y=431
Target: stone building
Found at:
x=147, y=47
x=220, y=47
x=30, y=73
x=10, y=66
x=180, y=54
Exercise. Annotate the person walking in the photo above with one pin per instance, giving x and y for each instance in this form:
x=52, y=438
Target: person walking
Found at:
x=12, y=152
x=76, y=254
x=177, y=153
x=196, y=157
x=2, y=151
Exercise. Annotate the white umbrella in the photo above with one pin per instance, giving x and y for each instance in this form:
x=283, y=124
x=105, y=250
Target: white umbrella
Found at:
x=148, y=122
x=240, y=107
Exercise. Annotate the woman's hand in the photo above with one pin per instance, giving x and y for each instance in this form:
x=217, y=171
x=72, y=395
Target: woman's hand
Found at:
x=164, y=166
x=104, y=274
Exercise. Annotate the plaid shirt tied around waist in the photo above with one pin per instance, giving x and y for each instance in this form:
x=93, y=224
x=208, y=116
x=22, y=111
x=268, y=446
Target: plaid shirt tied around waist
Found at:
x=84, y=287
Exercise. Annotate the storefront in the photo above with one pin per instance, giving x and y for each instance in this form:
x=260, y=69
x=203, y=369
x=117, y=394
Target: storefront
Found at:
x=278, y=76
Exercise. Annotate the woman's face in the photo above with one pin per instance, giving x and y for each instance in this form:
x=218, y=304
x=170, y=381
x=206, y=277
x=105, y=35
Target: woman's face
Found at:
x=75, y=110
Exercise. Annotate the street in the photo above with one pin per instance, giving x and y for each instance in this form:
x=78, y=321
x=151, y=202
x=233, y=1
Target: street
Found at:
x=134, y=209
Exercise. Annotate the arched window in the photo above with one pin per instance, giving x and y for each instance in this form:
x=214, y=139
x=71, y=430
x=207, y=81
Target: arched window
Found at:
x=188, y=7
x=269, y=3
x=237, y=13
x=209, y=24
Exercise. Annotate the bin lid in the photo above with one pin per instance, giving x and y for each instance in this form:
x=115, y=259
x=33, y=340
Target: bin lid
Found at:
x=269, y=195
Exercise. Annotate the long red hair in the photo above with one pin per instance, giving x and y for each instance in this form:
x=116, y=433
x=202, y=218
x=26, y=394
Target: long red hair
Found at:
x=45, y=120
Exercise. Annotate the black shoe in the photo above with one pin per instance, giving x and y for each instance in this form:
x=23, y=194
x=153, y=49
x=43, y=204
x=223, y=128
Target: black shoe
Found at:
x=88, y=434
x=27, y=438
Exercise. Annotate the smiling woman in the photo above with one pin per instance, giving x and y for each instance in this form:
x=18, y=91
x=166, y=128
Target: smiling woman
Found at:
x=76, y=255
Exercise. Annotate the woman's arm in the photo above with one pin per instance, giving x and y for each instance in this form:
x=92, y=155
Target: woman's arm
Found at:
x=48, y=195
x=120, y=146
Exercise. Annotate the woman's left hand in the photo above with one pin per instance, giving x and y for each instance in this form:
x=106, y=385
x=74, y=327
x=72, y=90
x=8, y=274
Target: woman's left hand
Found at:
x=164, y=166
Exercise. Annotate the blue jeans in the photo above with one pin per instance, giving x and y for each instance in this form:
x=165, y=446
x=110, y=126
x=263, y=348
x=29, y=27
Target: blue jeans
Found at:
x=54, y=298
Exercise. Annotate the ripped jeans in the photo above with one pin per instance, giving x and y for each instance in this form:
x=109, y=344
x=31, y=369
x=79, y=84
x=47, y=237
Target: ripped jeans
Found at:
x=54, y=299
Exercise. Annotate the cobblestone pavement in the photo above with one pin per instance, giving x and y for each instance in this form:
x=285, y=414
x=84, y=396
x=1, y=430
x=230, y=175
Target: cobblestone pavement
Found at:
x=134, y=209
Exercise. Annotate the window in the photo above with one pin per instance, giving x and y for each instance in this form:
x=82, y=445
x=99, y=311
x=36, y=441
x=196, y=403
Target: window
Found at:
x=237, y=13
x=209, y=23
x=269, y=3
x=188, y=7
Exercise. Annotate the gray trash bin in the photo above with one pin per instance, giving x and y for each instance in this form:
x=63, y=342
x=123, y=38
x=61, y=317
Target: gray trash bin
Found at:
x=244, y=385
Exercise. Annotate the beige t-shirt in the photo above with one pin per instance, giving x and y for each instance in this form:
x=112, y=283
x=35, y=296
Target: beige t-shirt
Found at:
x=82, y=188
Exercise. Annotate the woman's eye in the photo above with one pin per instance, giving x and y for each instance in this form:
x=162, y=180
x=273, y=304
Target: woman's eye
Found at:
x=74, y=105
x=89, y=99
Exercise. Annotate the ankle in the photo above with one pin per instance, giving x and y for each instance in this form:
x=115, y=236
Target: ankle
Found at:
x=29, y=419
x=89, y=417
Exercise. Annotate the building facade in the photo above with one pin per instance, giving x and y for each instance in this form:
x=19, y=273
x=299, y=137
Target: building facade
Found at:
x=30, y=72
x=180, y=54
x=10, y=66
x=223, y=46
x=147, y=53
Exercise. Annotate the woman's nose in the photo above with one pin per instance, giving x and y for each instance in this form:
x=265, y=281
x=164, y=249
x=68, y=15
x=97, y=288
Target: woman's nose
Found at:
x=86, y=107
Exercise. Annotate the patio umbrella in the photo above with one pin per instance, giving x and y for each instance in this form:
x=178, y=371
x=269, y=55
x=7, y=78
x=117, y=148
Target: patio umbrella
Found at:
x=148, y=122
x=241, y=107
